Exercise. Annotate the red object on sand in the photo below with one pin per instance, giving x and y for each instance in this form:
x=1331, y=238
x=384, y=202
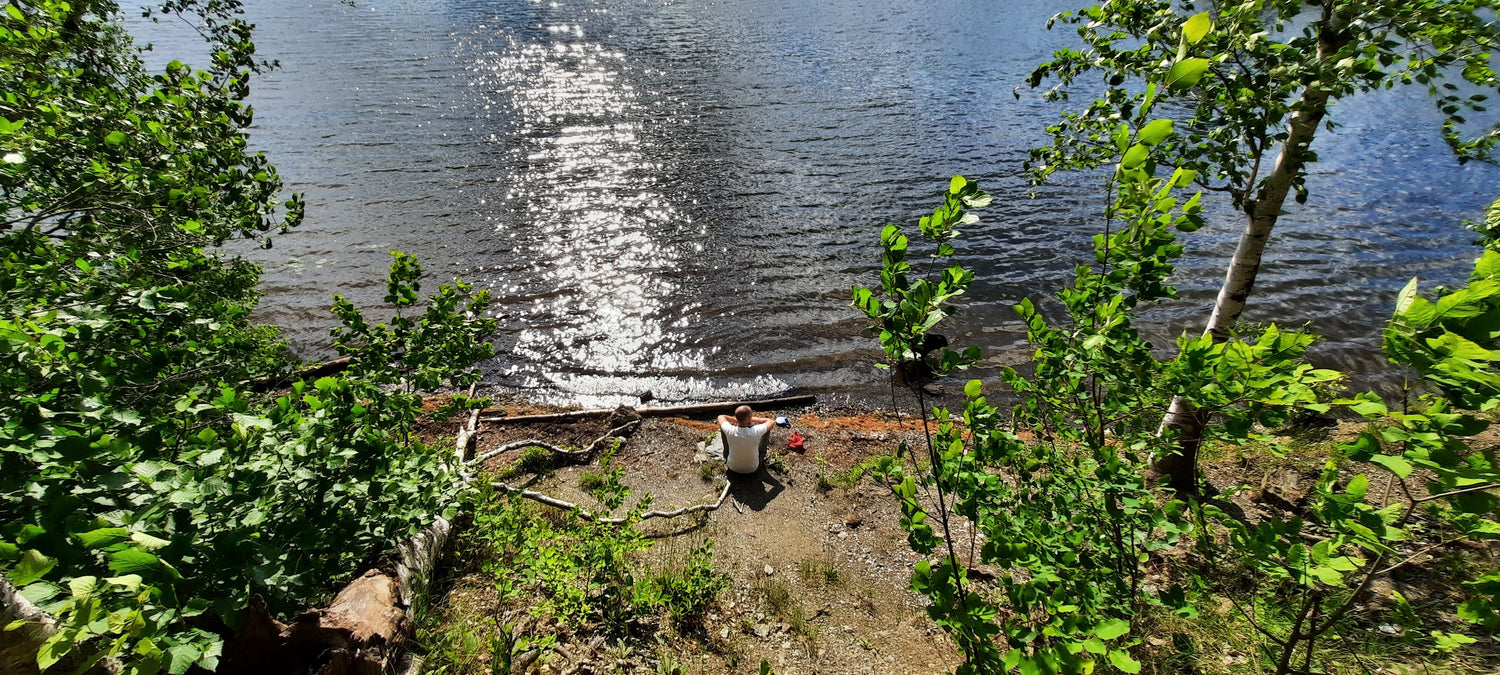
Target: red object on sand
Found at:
x=795, y=441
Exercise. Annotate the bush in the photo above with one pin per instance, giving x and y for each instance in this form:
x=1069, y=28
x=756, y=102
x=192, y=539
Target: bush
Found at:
x=584, y=571
x=146, y=489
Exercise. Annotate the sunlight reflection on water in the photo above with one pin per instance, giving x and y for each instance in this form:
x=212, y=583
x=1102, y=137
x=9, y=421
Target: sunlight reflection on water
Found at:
x=594, y=206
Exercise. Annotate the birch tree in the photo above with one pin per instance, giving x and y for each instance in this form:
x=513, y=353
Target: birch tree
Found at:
x=1251, y=107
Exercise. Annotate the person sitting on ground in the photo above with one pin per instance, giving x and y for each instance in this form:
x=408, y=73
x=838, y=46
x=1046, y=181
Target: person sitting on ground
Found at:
x=745, y=438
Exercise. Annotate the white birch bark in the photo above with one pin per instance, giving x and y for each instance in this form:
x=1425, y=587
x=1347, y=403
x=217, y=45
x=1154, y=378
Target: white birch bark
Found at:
x=1261, y=214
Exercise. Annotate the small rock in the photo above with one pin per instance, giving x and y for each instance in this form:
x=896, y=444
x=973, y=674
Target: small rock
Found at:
x=622, y=415
x=769, y=570
x=724, y=634
x=853, y=520
x=843, y=535
x=762, y=630
x=848, y=629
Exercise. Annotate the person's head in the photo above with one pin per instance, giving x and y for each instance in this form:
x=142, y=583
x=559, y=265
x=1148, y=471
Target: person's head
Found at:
x=742, y=414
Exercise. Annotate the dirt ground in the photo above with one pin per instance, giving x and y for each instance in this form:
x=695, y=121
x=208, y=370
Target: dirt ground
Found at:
x=818, y=563
x=818, y=574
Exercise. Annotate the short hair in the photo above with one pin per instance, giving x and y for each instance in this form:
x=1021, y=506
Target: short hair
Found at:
x=743, y=413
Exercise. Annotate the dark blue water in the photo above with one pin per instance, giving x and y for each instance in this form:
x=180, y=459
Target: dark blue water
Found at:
x=677, y=196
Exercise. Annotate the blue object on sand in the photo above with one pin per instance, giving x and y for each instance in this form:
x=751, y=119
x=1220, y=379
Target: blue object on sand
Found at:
x=783, y=422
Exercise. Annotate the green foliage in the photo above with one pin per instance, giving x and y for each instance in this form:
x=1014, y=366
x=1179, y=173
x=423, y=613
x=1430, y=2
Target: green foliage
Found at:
x=421, y=349
x=906, y=310
x=1069, y=513
x=583, y=572
x=1320, y=575
x=1489, y=228
x=820, y=570
x=142, y=483
x=1452, y=342
x=688, y=589
x=1262, y=63
x=506, y=644
x=223, y=498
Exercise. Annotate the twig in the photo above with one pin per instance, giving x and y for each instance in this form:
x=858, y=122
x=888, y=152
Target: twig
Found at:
x=587, y=451
x=1455, y=493
x=590, y=516
x=1418, y=554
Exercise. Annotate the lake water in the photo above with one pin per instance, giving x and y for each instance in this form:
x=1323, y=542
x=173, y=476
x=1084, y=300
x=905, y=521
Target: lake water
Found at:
x=676, y=196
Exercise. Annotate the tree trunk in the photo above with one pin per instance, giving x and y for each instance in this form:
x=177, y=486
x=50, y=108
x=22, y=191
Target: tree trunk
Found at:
x=1180, y=469
x=18, y=648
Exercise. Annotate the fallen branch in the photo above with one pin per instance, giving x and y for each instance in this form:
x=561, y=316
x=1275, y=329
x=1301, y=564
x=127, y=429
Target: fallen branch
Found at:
x=466, y=434
x=724, y=408
x=586, y=452
x=589, y=516
x=311, y=372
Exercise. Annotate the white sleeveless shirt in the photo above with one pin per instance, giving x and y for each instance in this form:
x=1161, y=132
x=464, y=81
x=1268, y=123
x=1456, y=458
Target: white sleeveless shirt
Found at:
x=743, y=453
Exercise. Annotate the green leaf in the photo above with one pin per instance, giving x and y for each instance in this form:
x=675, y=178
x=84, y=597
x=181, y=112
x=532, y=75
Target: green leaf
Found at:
x=55, y=648
x=114, y=138
x=1149, y=99
x=1405, y=297
x=1363, y=448
x=1134, y=157
x=133, y=560
x=1155, y=132
x=1451, y=642
x=1394, y=464
x=1356, y=487
x=1124, y=662
x=102, y=537
x=1196, y=27
x=33, y=566
x=130, y=582
x=1112, y=629
x=147, y=541
x=82, y=587
x=973, y=388
x=181, y=657
x=956, y=185
x=40, y=592
x=1186, y=73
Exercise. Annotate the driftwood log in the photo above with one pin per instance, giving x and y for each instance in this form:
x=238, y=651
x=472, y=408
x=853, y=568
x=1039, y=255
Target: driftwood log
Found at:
x=467, y=434
x=18, y=649
x=360, y=633
x=724, y=408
